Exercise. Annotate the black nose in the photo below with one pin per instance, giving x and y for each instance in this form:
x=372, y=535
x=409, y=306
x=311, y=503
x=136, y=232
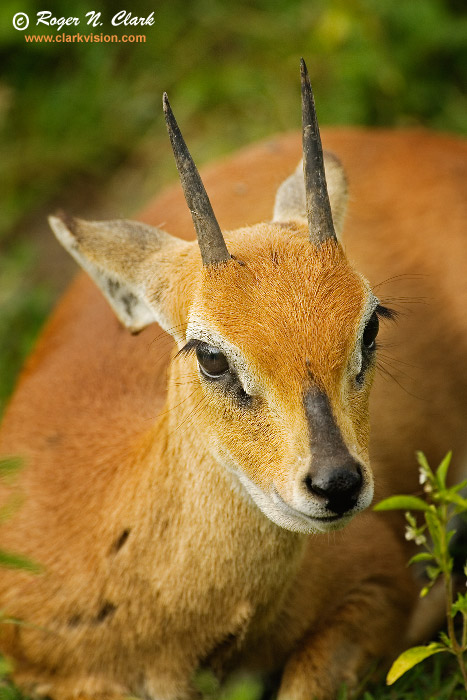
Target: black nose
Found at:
x=339, y=488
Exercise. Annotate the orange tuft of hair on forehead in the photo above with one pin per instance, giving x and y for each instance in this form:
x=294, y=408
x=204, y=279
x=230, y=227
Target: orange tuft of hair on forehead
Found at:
x=291, y=307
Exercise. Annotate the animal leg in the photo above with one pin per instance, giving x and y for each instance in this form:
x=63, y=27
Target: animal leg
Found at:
x=370, y=626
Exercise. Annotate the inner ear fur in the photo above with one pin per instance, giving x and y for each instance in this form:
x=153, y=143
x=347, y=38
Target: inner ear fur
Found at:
x=290, y=197
x=134, y=265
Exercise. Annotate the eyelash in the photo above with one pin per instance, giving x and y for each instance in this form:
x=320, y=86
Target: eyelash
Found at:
x=189, y=348
x=386, y=313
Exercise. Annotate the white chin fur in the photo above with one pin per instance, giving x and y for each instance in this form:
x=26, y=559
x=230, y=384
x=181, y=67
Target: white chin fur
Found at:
x=284, y=515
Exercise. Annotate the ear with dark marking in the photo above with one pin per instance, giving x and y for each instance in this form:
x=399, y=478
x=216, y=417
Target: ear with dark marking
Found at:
x=128, y=261
x=290, y=198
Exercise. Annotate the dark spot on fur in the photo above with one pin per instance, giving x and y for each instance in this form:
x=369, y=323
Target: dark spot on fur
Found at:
x=239, y=262
x=118, y=544
x=163, y=526
x=113, y=287
x=156, y=296
x=54, y=439
x=73, y=226
x=68, y=220
x=129, y=301
x=106, y=611
x=74, y=621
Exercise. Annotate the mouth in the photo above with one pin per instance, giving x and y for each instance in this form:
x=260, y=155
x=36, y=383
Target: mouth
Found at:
x=330, y=518
x=310, y=520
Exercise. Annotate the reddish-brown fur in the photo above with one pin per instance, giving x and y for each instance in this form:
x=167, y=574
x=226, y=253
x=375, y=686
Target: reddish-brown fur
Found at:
x=239, y=591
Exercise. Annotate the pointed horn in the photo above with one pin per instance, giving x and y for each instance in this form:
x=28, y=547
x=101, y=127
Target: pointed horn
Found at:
x=318, y=208
x=210, y=239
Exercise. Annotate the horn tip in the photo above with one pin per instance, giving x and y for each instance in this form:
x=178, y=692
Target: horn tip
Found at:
x=304, y=75
x=169, y=115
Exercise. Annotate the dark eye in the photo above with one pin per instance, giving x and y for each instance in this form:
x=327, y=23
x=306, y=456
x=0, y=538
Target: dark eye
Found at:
x=212, y=362
x=370, y=332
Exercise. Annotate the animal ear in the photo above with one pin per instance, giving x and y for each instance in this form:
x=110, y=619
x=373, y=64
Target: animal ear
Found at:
x=133, y=264
x=290, y=197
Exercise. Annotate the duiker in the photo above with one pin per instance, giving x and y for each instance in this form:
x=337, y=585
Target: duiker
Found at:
x=192, y=503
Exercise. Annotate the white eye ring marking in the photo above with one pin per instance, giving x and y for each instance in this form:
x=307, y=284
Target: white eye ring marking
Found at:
x=198, y=329
x=356, y=359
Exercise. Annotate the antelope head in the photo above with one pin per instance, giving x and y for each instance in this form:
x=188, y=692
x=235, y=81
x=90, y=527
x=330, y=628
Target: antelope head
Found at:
x=274, y=328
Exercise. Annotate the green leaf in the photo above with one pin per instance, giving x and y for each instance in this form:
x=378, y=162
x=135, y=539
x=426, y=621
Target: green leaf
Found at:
x=343, y=693
x=445, y=640
x=423, y=462
x=460, y=605
x=9, y=467
x=5, y=620
x=410, y=519
x=422, y=556
x=449, y=535
x=458, y=487
x=442, y=470
x=402, y=502
x=433, y=572
x=460, y=502
x=206, y=682
x=425, y=590
x=5, y=667
x=435, y=528
x=410, y=658
x=9, y=560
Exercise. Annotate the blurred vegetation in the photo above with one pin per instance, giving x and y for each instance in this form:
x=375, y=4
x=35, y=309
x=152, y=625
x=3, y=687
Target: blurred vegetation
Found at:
x=81, y=123
x=9, y=468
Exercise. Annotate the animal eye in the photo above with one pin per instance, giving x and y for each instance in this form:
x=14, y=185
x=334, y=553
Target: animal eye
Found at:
x=370, y=332
x=212, y=362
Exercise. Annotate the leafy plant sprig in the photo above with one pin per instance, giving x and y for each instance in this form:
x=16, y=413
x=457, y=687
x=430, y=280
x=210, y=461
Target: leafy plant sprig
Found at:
x=9, y=468
x=441, y=505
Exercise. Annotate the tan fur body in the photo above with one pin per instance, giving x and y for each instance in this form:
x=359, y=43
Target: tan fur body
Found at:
x=156, y=561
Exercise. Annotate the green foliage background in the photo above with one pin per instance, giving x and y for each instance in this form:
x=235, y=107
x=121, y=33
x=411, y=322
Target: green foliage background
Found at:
x=81, y=124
